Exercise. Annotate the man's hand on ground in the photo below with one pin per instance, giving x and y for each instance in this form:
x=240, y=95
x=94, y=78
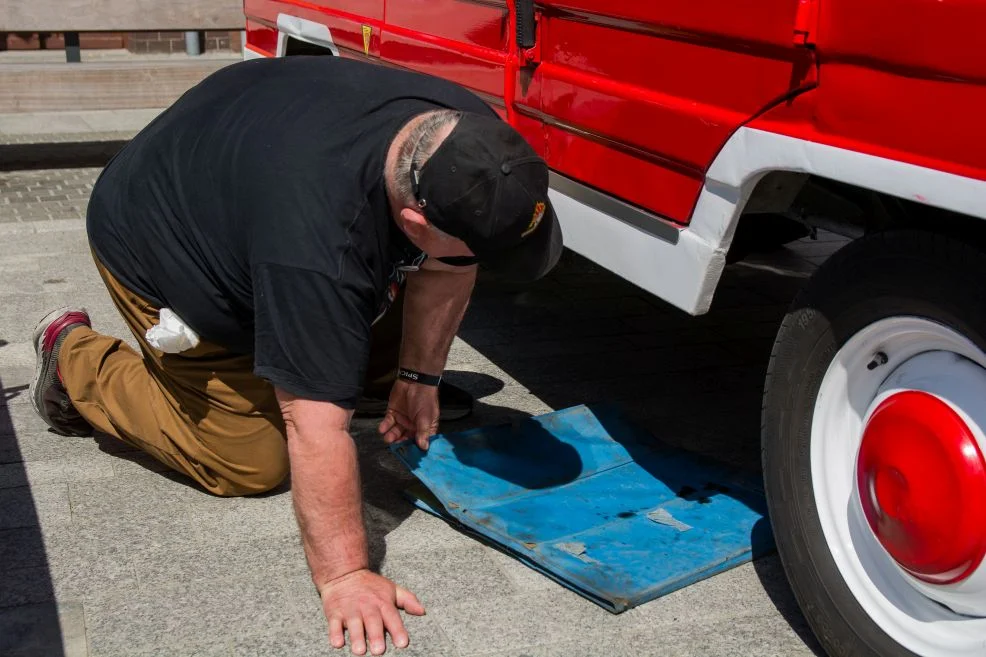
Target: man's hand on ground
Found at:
x=366, y=604
x=412, y=413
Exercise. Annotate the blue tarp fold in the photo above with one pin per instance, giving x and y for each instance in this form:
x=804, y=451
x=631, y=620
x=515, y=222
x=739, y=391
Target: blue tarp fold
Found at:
x=593, y=502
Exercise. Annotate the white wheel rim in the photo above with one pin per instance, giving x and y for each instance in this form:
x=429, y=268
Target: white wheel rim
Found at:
x=845, y=396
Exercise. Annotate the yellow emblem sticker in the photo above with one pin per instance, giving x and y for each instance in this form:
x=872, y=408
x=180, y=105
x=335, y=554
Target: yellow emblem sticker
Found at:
x=535, y=219
x=367, y=33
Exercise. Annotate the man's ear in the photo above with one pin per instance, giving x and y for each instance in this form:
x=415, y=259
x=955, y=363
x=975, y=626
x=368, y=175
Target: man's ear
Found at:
x=413, y=223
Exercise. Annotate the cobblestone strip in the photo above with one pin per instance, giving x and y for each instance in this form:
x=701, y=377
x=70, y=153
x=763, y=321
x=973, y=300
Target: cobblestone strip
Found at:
x=45, y=195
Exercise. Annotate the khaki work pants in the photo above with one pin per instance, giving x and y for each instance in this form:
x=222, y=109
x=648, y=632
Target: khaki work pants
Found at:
x=202, y=412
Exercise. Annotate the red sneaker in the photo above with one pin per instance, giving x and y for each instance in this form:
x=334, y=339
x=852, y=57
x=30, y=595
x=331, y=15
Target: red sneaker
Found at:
x=51, y=401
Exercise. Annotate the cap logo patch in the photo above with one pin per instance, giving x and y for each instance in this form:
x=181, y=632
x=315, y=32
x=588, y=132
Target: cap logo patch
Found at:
x=535, y=219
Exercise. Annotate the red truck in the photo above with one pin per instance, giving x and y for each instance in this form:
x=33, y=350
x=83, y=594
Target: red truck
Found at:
x=668, y=126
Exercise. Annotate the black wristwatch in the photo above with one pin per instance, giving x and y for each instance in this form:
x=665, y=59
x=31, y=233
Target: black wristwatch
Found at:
x=418, y=377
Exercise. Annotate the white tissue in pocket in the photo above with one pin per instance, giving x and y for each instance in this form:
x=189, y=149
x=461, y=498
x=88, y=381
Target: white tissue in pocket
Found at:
x=171, y=335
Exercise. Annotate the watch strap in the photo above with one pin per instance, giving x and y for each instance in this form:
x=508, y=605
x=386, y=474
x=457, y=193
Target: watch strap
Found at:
x=413, y=376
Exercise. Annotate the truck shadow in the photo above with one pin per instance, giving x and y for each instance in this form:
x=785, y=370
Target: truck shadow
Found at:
x=584, y=336
x=385, y=479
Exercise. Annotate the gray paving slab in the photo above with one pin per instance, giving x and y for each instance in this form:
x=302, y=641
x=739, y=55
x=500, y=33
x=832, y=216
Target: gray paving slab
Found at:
x=31, y=506
x=523, y=578
x=41, y=123
x=17, y=355
x=82, y=566
x=427, y=640
x=463, y=352
x=576, y=648
x=21, y=547
x=103, y=551
x=43, y=630
x=136, y=463
x=420, y=532
x=130, y=533
x=216, y=557
x=21, y=313
x=481, y=370
x=763, y=637
x=25, y=437
x=215, y=612
x=61, y=238
x=27, y=281
x=109, y=496
x=184, y=648
x=109, y=55
x=14, y=391
x=427, y=636
x=85, y=466
x=13, y=475
x=217, y=518
x=40, y=195
x=65, y=138
x=25, y=586
x=41, y=227
x=469, y=574
x=119, y=120
x=79, y=122
x=519, y=622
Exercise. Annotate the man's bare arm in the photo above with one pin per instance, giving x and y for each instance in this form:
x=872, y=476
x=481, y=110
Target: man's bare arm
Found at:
x=328, y=504
x=326, y=487
x=437, y=297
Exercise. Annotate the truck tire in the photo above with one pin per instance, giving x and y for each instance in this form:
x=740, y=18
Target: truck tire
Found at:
x=892, y=321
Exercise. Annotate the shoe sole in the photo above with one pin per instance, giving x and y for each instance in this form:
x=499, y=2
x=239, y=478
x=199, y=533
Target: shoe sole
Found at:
x=40, y=372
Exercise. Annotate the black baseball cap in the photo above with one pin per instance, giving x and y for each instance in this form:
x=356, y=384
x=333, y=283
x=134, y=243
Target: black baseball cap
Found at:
x=486, y=186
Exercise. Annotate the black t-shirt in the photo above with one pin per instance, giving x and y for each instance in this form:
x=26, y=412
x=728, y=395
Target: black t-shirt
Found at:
x=255, y=208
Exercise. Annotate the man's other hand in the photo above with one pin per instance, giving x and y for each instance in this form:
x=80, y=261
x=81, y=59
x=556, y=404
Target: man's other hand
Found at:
x=366, y=605
x=411, y=413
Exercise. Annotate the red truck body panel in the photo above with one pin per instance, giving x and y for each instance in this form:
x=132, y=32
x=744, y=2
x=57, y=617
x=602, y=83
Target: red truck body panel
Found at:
x=636, y=99
x=667, y=82
x=905, y=80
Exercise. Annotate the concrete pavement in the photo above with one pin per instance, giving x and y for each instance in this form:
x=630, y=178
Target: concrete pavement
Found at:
x=83, y=138
x=103, y=554
x=55, y=127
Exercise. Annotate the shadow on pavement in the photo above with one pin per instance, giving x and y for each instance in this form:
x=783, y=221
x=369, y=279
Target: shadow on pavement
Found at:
x=584, y=336
x=60, y=155
x=29, y=618
x=385, y=478
x=775, y=583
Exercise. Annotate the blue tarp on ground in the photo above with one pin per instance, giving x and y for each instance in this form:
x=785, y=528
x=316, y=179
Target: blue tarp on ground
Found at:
x=594, y=503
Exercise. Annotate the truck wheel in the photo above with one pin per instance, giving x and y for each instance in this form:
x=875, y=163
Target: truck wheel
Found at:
x=873, y=444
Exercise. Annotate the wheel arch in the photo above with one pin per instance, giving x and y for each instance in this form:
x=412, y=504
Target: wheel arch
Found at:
x=753, y=157
x=759, y=172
